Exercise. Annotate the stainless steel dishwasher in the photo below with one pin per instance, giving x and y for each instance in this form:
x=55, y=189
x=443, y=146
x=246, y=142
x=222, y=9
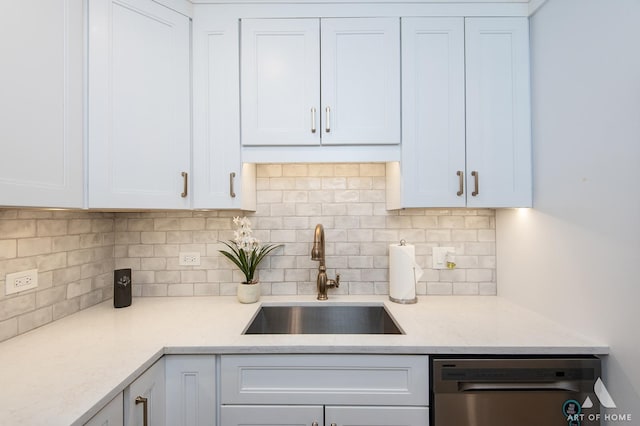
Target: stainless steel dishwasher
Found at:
x=515, y=391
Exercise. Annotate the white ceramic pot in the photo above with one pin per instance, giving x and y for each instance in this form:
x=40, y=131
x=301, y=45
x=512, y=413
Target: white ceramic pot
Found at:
x=249, y=293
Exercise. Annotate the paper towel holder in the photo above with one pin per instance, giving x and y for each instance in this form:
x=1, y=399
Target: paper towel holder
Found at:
x=403, y=243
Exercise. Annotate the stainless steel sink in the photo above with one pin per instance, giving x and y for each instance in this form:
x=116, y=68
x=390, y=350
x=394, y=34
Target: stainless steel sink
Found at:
x=333, y=319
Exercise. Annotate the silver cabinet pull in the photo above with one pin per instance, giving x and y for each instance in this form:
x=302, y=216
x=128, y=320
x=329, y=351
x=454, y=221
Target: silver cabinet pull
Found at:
x=334, y=424
x=460, y=183
x=327, y=111
x=185, y=185
x=232, y=191
x=313, y=120
x=145, y=406
x=314, y=424
x=476, y=184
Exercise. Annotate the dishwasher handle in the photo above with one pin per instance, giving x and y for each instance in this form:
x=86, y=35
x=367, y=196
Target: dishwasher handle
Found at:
x=552, y=386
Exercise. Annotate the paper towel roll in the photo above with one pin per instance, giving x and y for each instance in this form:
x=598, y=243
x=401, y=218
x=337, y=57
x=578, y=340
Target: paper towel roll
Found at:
x=404, y=273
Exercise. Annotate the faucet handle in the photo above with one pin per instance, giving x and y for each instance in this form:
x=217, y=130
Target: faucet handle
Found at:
x=337, y=280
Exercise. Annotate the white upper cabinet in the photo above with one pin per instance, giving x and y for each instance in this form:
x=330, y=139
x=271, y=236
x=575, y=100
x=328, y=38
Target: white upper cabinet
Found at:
x=320, y=81
x=41, y=155
x=464, y=148
x=280, y=61
x=139, y=137
x=360, y=81
x=498, y=112
x=220, y=179
x=433, y=124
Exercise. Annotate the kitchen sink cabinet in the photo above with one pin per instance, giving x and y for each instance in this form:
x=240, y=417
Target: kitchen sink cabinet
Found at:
x=41, y=143
x=145, y=397
x=111, y=415
x=333, y=81
x=139, y=120
x=318, y=415
x=324, y=389
x=466, y=114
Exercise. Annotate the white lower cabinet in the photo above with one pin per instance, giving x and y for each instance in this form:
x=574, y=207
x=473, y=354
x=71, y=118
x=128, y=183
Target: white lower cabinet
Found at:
x=316, y=390
x=376, y=416
x=191, y=390
x=272, y=415
x=318, y=415
x=144, y=399
x=111, y=415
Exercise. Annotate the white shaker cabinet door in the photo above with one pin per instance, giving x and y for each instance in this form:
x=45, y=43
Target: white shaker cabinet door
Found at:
x=433, y=112
x=498, y=112
x=220, y=180
x=191, y=390
x=280, y=75
x=139, y=135
x=41, y=154
x=360, y=81
x=146, y=393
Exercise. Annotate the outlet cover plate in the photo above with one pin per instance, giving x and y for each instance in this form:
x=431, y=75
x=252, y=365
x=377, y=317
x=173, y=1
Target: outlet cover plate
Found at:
x=21, y=281
x=189, y=259
x=439, y=255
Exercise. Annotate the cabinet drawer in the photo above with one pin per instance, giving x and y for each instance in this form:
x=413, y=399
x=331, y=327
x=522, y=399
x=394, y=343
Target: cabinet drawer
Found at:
x=325, y=379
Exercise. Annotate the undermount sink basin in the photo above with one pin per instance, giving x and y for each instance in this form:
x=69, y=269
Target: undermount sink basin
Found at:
x=332, y=319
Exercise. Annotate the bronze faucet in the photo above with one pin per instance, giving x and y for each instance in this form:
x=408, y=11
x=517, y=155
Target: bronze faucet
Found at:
x=317, y=253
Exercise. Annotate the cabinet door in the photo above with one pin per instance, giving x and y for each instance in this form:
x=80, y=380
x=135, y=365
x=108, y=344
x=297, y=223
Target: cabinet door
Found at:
x=361, y=81
x=280, y=81
x=111, y=415
x=150, y=385
x=139, y=105
x=41, y=153
x=377, y=416
x=272, y=415
x=433, y=134
x=498, y=112
x=191, y=384
x=219, y=176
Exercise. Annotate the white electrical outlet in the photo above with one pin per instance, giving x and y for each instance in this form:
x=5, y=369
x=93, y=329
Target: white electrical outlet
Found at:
x=439, y=255
x=21, y=281
x=189, y=259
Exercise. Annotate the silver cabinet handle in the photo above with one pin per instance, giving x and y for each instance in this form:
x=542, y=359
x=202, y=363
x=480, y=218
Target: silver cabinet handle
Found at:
x=185, y=184
x=476, y=184
x=145, y=406
x=232, y=191
x=460, y=174
x=334, y=424
x=314, y=424
x=313, y=120
x=327, y=111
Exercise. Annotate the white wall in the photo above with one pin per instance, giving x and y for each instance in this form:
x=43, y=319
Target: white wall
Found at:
x=576, y=255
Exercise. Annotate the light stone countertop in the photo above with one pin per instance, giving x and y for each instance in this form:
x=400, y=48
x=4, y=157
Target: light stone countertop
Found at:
x=64, y=372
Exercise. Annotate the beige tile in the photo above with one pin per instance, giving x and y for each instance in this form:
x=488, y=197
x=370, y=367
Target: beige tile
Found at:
x=49, y=228
x=34, y=246
x=35, y=319
x=8, y=328
x=8, y=249
x=17, y=228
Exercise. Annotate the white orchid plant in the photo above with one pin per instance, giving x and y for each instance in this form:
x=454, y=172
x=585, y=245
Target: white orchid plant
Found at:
x=246, y=251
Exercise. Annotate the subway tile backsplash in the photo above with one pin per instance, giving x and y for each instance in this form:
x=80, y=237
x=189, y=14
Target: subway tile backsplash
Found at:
x=76, y=252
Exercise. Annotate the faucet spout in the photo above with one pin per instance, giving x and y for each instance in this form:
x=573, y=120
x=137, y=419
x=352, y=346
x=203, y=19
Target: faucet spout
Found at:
x=318, y=254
